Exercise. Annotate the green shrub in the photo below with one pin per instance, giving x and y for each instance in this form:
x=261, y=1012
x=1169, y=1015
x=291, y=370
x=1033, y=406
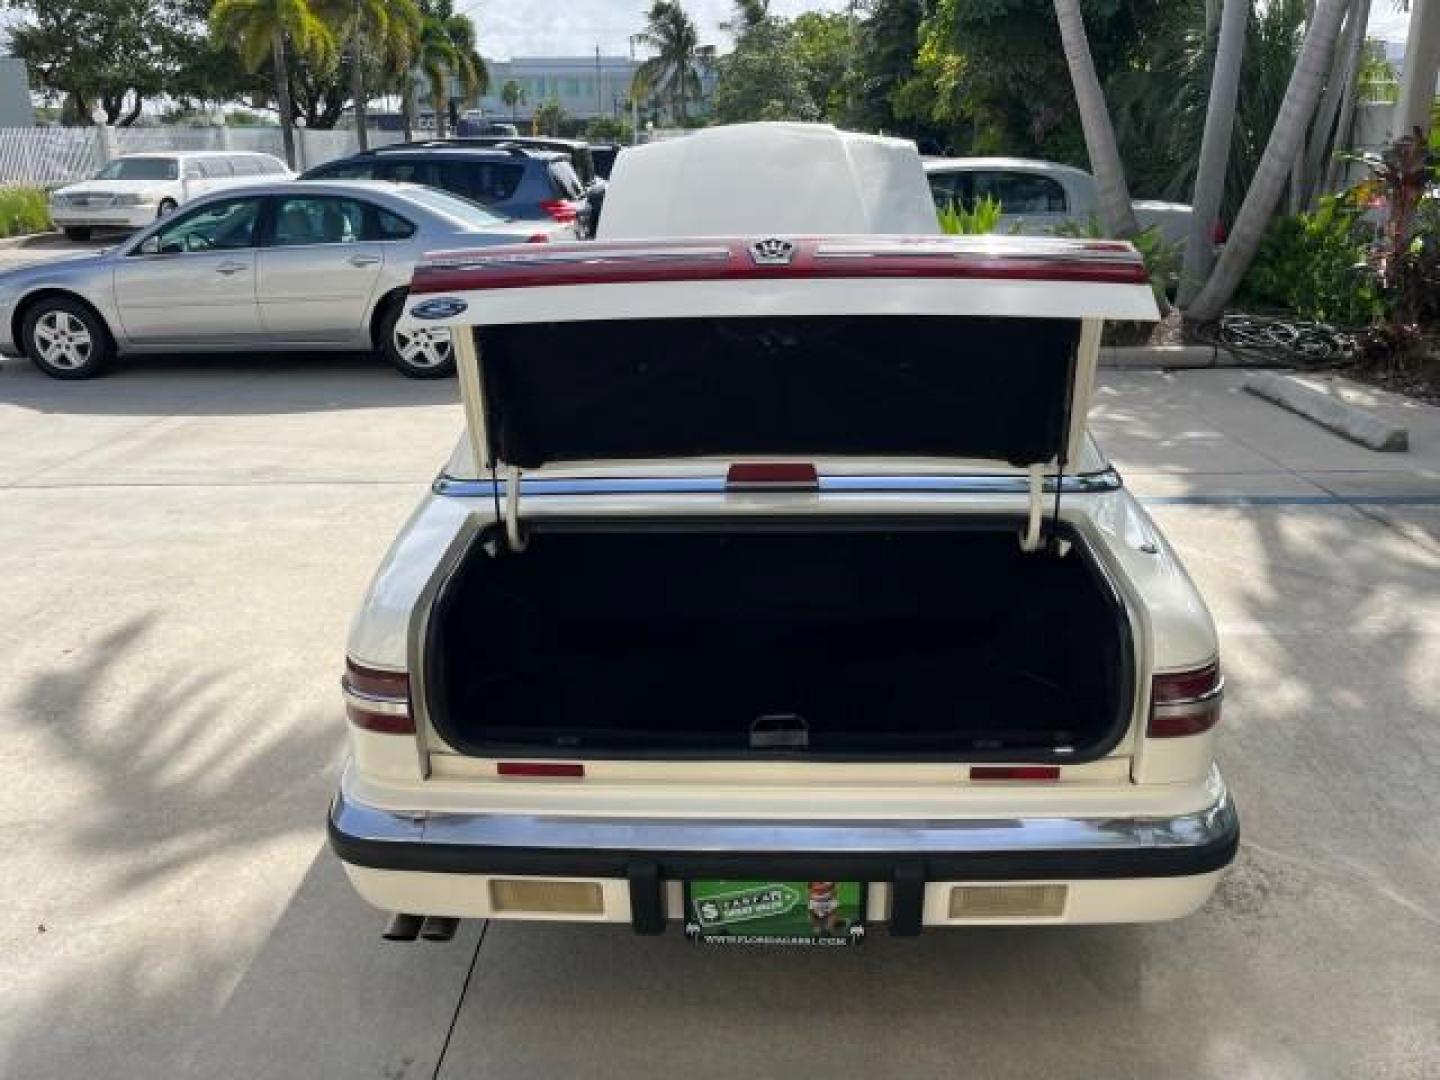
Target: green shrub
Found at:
x=983, y=217
x=1313, y=264
x=23, y=210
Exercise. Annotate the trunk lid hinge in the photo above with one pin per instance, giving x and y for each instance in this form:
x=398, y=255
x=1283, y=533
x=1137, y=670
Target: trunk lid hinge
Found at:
x=510, y=513
x=1031, y=539
x=1036, y=537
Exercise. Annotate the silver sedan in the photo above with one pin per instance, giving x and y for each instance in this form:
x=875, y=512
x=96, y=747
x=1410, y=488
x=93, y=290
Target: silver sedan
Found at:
x=293, y=266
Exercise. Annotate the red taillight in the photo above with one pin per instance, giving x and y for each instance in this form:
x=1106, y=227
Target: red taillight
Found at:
x=772, y=475
x=377, y=700
x=537, y=238
x=560, y=210
x=1185, y=702
x=1218, y=232
x=1014, y=772
x=569, y=769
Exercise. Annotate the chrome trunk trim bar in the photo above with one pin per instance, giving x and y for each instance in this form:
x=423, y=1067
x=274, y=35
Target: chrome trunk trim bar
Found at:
x=999, y=484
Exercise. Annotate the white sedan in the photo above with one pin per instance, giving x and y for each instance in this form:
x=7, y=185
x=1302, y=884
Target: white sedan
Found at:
x=1039, y=197
x=132, y=191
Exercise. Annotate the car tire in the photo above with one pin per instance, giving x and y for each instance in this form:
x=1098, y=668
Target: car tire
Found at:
x=423, y=353
x=77, y=232
x=166, y=208
x=66, y=339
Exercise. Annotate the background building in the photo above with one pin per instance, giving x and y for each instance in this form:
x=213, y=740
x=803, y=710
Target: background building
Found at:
x=15, y=108
x=587, y=87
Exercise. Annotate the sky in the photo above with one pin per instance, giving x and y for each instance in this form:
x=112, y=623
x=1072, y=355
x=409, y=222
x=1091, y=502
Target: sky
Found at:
x=575, y=27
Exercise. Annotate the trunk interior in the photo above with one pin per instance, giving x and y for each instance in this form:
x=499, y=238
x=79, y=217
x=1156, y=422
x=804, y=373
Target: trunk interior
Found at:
x=886, y=641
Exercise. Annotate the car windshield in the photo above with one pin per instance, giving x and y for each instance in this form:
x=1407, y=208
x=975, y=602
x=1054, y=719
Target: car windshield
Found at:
x=453, y=206
x=138, y=168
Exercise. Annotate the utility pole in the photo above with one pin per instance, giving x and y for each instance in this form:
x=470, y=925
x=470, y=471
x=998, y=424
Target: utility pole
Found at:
x=599, y=91
x=634, y=105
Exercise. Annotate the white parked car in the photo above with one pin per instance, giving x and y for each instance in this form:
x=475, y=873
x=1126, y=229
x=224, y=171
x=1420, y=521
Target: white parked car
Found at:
x=776, y=587
x=1037, y=197
x=132, y=191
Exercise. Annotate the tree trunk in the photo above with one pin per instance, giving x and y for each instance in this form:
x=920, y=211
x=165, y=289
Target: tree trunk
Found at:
x=441, y=106
x=1334, y=169
x=407, y=104
x=130, y=117
x=1214, y=150
x=1269, y=181
x=282, y=98
x=1116, y=213
x=1324, y=140
x=357, y=84
x=1417, y=77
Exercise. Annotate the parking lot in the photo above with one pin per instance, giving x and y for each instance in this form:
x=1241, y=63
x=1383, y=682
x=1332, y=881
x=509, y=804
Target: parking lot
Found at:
x=182, y=544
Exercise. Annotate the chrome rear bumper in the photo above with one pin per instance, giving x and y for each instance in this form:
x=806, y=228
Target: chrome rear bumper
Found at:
x=905, y=853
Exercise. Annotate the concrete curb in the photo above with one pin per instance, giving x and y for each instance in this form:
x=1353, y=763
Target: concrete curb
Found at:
x=25, y=238
x=1347, y=421
x=1179, y=357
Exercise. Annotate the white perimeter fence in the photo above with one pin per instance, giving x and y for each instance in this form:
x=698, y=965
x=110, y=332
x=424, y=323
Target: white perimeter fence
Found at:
x=49, y=157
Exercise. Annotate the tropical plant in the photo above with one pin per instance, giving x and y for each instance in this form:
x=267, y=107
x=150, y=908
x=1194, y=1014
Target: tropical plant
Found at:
x=23, y=210
x=1273, y=173
x=447, y=50
x=270, y=29
x=1312, y=264
x=982, y=217
x=1115, y=209
x=513, y=95
x=674, y=69
x=763, y=78
x=383, y=34
x=547, y=118
x=1403, y=261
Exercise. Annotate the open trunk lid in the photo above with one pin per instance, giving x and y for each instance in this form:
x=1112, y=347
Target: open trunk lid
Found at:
x=960, y=348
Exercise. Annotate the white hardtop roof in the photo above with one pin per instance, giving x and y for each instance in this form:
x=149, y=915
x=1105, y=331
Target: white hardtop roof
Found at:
x=754, y=179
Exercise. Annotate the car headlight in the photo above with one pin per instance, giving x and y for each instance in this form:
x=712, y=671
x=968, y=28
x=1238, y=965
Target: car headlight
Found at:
x=56, y=199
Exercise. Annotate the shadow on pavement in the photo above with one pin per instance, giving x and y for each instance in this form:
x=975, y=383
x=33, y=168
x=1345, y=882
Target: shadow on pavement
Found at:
x=231, y=384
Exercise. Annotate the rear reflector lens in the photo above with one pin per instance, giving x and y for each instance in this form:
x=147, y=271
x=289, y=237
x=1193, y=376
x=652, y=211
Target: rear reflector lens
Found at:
x=537, y=238
x=560, y=210
x=1007, y=901
x=771, y=475
x=1015, y=772
x=518, y=896
x=569, y=769
x=377, y=700
x=1185, y=702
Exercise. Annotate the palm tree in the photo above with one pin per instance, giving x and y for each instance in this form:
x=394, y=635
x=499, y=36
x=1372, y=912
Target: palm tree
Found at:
x=268, y=28
x=512, y=94
x=447, y=51
x=1275, y=163
x=434, y=57
x=383, y=30
x=1214, y=149
x=1116, y=213
x=678, y=56
x=469, y=66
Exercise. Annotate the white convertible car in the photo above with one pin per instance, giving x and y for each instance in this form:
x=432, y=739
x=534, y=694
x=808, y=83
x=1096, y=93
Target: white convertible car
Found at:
x=776, y=588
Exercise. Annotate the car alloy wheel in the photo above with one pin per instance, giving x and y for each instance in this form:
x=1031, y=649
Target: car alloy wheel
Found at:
x=166, y=208
x=62, y=340
x=423, y=348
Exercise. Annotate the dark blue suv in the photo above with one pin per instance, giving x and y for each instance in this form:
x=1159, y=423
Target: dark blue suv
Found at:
x=514, y=181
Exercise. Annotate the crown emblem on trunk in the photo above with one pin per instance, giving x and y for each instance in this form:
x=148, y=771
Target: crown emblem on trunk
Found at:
x=772, y=251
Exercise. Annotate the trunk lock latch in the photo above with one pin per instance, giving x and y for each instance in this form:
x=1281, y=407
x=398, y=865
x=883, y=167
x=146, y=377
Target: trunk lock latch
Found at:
x=779, y=731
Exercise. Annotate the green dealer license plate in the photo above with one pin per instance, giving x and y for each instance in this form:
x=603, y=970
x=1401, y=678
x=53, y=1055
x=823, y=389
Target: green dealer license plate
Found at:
x=826, y=913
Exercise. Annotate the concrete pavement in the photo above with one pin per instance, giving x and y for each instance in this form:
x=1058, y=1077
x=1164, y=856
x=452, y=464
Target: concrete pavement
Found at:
x=182, y=544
